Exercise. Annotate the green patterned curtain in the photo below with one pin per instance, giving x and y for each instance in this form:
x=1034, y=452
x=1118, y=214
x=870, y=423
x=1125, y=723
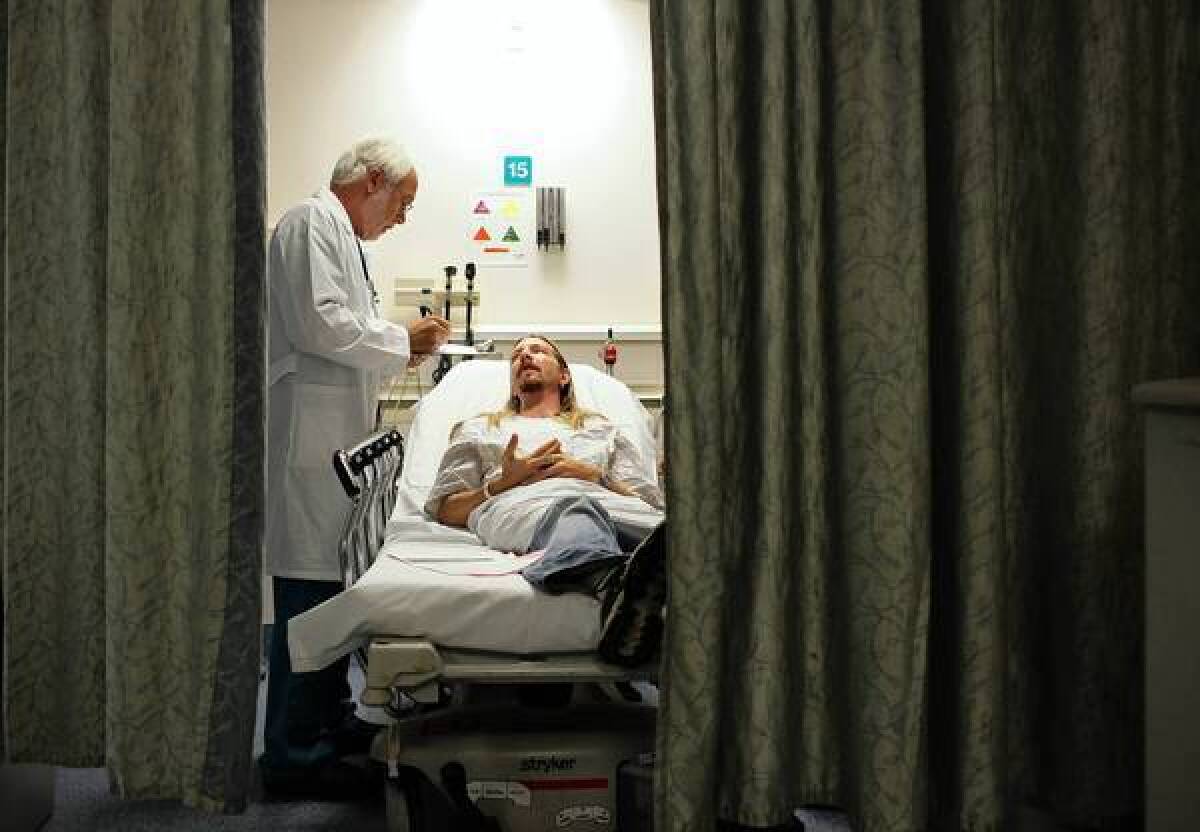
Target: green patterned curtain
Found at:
x=915, y=256
x=133, y=390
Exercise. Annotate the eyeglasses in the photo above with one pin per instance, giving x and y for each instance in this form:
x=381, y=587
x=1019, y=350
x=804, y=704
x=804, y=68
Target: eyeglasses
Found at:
x=403, y=211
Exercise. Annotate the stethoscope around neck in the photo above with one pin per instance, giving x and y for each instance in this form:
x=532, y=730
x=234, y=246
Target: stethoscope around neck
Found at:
x=367, y=274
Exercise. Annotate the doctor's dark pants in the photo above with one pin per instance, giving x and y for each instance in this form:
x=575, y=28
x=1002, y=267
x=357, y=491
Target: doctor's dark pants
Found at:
x=303, y=709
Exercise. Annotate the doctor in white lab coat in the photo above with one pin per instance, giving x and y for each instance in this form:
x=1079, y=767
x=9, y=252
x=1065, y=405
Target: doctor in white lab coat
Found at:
x=329, y=351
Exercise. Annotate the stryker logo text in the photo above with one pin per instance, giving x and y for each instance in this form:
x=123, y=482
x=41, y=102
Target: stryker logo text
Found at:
x=547, y=765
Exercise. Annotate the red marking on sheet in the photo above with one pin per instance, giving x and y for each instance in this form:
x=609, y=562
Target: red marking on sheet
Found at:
x=565, y=784
x=482, y=234
x=496, y=249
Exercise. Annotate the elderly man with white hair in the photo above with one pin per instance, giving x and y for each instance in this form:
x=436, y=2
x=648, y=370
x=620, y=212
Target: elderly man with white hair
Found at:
x=329, y=352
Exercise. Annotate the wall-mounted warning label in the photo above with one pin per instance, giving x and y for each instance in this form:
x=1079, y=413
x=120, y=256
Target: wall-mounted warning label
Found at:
x=498, y=226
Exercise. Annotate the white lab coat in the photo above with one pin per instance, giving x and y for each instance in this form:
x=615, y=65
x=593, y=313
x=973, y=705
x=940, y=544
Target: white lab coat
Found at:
x=329, y=351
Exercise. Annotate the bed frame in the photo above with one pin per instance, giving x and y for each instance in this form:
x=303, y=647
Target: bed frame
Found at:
x=507, y=753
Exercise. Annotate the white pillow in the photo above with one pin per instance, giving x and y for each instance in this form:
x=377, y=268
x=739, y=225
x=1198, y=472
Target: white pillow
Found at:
x=475, y=387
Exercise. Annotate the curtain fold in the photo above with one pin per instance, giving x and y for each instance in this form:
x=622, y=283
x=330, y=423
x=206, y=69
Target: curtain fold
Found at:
x=227, y=766
x=3, y=339
x=915, y=256
x=133, y=400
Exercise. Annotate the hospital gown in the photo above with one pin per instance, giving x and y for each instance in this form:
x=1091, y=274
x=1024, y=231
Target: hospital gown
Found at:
x=507, y=521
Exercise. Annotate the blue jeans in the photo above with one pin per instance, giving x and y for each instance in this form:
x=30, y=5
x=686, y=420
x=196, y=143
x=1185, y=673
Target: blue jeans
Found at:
x=580, y=540
x=303, y=709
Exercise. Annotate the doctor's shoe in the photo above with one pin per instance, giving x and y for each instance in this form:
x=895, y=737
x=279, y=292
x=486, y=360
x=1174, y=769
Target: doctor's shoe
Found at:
x=633, y=608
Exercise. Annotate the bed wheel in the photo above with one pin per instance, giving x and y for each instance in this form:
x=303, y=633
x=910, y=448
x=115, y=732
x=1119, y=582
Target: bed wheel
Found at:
x=398, y=806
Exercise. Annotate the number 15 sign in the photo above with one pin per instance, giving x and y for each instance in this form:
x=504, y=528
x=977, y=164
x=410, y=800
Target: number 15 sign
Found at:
x=518, y=170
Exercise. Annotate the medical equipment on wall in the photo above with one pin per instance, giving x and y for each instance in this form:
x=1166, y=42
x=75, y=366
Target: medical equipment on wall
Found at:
x=467, y=349
x=444, y=363
x=450, y=272
x=551, y=218
x=608, y=353
x=469, y=271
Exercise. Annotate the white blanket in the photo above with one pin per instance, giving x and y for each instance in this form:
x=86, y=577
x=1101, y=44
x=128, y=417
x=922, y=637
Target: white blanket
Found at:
x=508, y=520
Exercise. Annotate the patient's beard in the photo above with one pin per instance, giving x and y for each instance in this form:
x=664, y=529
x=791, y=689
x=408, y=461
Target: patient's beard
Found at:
x=535, y=392
x=533, y=385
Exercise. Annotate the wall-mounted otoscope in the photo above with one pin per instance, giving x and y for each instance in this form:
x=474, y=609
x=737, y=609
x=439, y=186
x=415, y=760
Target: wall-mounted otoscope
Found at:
x=469, y=271
x=444, y=362
x=450, y=272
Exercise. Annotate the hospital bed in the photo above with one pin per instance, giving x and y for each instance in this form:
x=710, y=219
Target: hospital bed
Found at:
x=500, y=704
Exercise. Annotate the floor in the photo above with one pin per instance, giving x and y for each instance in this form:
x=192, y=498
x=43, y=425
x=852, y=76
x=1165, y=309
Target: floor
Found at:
x=83, y=804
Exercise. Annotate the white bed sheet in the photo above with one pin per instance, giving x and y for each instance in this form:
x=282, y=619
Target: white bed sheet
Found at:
x=455, y=594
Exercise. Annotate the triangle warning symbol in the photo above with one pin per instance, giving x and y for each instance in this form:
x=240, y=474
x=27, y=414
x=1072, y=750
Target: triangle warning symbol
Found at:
x=510, y=236
x=481, y=208
x=482, y=234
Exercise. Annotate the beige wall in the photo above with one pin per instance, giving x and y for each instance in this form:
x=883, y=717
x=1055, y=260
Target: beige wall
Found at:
x=462, y=82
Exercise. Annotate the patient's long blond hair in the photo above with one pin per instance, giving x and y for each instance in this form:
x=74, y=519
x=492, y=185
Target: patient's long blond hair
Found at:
x=569, y=409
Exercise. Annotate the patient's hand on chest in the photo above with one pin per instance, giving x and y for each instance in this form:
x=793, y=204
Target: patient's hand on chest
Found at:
x=568, y=467
x=519, y=469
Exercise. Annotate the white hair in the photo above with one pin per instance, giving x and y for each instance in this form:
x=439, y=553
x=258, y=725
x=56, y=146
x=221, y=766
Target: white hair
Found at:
x=371, y=154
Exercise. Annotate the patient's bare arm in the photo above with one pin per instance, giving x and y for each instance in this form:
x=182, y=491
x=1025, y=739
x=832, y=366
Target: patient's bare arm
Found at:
x=515, y=470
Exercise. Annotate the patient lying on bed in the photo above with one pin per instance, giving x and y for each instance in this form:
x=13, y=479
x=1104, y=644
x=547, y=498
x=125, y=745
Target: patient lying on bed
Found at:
x=543, y=476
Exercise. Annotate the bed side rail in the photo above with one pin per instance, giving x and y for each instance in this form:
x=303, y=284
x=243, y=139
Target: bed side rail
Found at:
x=368, y=472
